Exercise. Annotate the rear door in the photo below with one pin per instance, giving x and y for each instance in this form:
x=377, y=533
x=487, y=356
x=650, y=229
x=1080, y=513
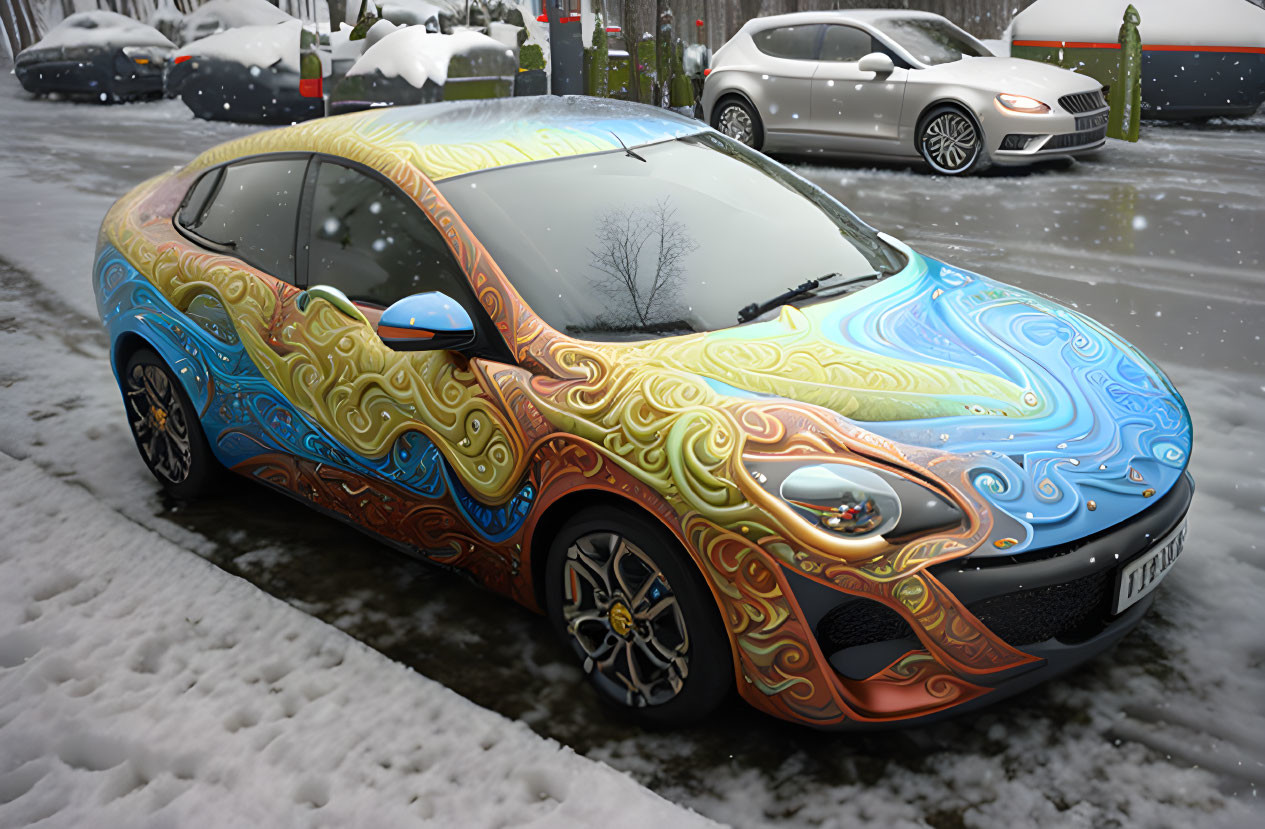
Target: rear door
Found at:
x=790, y=62
x=849, y=102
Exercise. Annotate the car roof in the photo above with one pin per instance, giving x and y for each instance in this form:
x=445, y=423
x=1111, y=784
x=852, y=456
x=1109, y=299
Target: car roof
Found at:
x=837, y=16
x=457, y=137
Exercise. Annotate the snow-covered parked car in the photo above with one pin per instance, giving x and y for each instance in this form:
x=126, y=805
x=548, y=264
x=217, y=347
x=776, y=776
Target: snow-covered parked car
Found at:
x=248, y=74
x=99, y=54
x=221, y=15
x=413, y=66
x=896, y=85
x=1195, y=63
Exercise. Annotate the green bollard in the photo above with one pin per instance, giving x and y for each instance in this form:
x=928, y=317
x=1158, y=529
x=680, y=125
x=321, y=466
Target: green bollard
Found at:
x=1126, y=93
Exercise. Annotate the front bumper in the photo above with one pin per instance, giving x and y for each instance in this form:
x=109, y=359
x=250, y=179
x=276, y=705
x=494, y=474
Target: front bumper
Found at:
x=1049, y=137
x=1053, y=604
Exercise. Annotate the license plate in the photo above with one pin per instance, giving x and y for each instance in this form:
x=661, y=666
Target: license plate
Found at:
x=1141, y=576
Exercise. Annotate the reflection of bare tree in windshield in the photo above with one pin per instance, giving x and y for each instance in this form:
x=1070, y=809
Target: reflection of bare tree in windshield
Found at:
x=640, y=299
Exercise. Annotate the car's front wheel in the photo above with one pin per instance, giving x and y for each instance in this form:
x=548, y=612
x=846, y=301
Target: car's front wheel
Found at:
x=624, y=596
x=166, y=428
x=737, y=119
x=951, y=143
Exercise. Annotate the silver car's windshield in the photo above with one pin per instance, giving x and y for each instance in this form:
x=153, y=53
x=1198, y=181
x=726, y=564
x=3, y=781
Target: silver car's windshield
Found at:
x=666, y=239
x=932, y=42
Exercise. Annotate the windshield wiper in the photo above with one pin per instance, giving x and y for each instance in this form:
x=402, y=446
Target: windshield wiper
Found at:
x=625, y=146
x=803, y=289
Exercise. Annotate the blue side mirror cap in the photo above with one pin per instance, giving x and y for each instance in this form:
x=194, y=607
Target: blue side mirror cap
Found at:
x=426, y=322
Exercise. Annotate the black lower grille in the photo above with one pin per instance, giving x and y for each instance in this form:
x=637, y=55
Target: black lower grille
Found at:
x=1076, y=139
x=1015, y=141
x=1083, y=101
x=1073, y=610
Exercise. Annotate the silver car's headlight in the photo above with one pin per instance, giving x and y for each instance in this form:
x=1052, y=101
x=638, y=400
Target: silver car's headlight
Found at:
x=1022, y=103
x=853, y=501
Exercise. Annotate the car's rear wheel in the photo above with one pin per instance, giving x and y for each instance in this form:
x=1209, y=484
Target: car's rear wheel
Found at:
x=624, y=596
x=165, y=426
x=737, y=119
x=951, y=143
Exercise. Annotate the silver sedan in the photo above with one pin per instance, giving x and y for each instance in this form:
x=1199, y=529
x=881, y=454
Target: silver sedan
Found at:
x=896, y=85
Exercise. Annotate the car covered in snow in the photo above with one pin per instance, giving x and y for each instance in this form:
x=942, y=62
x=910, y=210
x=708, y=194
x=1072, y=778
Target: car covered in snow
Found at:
x=1195, y=63
x=549, y=343
x=896, y=85
x=412, y=65
x=97, y=54
x=221, y=15
x=247, y=74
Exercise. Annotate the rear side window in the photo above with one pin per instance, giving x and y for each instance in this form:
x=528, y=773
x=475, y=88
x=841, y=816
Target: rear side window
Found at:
x=794, y=42
x=250, y=210
x=374, y=244
x=846, y=44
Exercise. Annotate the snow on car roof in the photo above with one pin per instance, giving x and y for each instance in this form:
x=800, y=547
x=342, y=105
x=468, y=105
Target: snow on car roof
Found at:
x=267, y=45
x=1164, y=22
x=456, y=137
x=101, y=28
x=218, y=15
x=416, y=55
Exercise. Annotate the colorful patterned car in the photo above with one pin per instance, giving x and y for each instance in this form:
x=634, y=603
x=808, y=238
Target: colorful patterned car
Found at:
x=631, y=373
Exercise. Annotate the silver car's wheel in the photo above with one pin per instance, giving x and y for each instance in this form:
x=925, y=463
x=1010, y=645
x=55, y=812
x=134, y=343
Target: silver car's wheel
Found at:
x=737, y=120
x=950, y=142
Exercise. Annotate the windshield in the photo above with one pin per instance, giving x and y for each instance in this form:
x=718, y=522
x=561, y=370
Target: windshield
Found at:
x=611, y=246
x=932, y=42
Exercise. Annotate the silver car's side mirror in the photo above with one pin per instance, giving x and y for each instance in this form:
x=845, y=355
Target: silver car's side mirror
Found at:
x=876, y=62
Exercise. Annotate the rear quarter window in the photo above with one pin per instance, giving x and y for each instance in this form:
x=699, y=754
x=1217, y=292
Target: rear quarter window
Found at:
x=792, y=42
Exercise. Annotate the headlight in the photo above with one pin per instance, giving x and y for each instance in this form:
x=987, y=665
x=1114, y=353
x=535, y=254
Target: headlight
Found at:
x=1021, y=103
x=854, y=501
x=847, y=500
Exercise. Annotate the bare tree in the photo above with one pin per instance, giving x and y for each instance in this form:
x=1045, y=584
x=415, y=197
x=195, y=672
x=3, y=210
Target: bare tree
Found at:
x=622, y=235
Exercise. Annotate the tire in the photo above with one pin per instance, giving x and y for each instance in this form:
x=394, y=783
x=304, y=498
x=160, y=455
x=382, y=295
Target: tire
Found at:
x=166, y=429
x=951, y=142
x=738, y=120
x=605, y=553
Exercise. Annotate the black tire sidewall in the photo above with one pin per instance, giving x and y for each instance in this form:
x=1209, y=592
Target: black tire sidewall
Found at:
x=977, y=164
x=204, y=468
x=710, y=675
x=757, y=125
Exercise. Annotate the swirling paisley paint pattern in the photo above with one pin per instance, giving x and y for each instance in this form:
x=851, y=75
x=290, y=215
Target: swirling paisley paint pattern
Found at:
x=463, y=457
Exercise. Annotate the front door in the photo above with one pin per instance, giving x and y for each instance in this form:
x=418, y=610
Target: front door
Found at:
x=788, y=82
x=851, y=103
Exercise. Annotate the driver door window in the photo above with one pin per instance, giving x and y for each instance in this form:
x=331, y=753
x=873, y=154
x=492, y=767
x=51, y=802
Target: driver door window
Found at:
x=373, y=243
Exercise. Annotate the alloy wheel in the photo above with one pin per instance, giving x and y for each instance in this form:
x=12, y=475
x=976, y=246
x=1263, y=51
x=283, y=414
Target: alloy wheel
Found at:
x=735, y=122
x=950, y=142
x=159, y=421
x=624, y=620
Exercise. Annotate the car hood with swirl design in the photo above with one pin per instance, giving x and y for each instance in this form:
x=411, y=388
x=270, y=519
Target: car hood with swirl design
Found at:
x=1071, y=428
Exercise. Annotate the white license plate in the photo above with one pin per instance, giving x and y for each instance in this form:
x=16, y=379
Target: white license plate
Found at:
x=1141, y=576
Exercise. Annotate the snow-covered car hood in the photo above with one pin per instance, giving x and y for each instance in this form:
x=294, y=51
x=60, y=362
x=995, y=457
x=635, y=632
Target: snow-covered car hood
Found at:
x=1022, y=77
x=1070, y=429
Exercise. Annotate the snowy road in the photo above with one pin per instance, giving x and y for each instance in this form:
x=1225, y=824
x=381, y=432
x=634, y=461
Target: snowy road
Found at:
x=1163, y=241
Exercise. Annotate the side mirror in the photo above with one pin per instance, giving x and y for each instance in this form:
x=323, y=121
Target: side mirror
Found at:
x=426, y=322
x=876, y=62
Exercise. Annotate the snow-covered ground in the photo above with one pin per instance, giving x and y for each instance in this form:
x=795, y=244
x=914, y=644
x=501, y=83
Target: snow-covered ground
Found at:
x=142, y=686
x=1164, y=241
